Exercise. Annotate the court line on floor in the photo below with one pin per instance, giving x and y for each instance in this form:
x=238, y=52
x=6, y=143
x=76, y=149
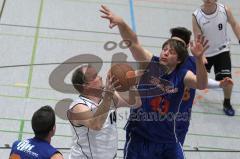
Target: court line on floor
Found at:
x=20, y=134
x=52, y=99
x=62, y=135
x=34, y=49
x=190, y=10
x=197, y=148
x=176, y=3
x=97, y=2
x=24, y=132
x=77, y=30
x=144, y=6
x=28, y=120
x=29, y=97
x=2, y=9
x=51, y=89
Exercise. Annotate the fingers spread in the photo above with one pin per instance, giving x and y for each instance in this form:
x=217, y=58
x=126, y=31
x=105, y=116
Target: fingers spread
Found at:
x=105, y=8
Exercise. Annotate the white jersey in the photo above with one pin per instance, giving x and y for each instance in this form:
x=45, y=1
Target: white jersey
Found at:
x=214, y=28
x=92, y=144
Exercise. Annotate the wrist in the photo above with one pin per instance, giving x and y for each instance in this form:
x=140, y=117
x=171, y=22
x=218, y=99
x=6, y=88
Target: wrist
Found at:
x=107, y=93
x=199, y=58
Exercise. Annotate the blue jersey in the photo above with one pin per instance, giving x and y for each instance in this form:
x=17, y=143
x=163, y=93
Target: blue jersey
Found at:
x=161, y=96
x=33, y=149
x=187, y=102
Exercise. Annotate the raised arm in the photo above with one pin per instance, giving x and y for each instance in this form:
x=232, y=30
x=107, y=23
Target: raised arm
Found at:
x=196, y=28
x=126, y=32
x=200, y=80
x=234, y=24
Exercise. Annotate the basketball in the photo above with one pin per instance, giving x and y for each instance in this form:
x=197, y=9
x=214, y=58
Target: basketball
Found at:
x=125, y=74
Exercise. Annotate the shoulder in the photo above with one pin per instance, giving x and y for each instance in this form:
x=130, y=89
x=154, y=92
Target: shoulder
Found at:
x=189, y=64
x=76, y=101
x=196, y=12
x=227, y=9
x=15, y=143
x=57, y=155
x=223, y=8
x=181, y=72
x=50, y=150
x=220, y=5
x=81, y=102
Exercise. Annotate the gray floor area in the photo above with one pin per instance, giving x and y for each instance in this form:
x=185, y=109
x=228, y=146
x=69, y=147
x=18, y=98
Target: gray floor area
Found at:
x=36, y=36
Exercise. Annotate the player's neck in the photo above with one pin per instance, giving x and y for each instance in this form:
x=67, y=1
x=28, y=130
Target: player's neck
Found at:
x=93, y=98
x=209, y=9
x=170, y=70
x=48, y=139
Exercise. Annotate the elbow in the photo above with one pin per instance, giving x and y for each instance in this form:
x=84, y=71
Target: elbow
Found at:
x=137, y=103
x=134, y=41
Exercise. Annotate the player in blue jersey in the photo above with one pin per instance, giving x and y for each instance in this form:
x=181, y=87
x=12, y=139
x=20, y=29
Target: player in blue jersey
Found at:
x=152, y=127
x=189, y=93
x=39, y=147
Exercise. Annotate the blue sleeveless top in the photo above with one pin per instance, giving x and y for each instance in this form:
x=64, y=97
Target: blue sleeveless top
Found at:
x=33, y=148
x=186, y=106
x=161, y=96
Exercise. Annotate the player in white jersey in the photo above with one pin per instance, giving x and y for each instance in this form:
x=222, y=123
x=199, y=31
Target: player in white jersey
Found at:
x=211, y=21
x=92, y=116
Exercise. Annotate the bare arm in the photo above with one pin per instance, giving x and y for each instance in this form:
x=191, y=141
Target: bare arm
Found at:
x=200, y=80
x=126, y=32
x=132, y=97
x=81, y=114
x=234, y=24
x=57, y=156
x=196, y=28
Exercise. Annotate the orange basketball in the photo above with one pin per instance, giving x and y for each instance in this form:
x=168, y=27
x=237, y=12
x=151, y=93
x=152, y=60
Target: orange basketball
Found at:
x=125, y=74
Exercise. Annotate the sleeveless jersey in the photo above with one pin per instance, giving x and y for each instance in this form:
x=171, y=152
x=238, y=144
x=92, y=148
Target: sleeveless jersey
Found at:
x=214, y=28
x=183, y=119
x=33, y=148
x=161, y=96
x=92, y=144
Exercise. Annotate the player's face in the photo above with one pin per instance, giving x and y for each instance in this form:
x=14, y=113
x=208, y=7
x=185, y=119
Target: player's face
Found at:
x=169, y=57
x=92, y=78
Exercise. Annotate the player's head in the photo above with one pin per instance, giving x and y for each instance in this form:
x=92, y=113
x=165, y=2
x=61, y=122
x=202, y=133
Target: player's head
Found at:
x=182, y=33
x=43, y=122
x=85, y=79
x=174, y=53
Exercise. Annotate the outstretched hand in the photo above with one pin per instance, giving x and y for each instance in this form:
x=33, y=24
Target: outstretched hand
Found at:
x=199, y=46
x=108, y=14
